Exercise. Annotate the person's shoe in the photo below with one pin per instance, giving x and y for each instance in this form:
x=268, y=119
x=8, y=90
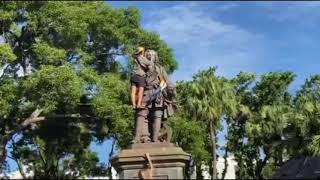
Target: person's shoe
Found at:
x=140, y=107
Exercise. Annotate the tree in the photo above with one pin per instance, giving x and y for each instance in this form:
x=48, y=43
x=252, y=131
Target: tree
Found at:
x=237, y=143
x=190, y=135
x=208, y=99
x=259, y=140
x=307, y=104
x=60, y=74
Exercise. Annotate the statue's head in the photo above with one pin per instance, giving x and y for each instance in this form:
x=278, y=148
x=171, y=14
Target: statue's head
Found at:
x=152, y=55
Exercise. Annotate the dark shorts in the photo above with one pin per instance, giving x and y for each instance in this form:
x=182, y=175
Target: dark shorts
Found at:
x=139, y=81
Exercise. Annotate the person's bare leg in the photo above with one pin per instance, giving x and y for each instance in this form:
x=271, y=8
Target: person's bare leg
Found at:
x=140, y=96
x=133, y=95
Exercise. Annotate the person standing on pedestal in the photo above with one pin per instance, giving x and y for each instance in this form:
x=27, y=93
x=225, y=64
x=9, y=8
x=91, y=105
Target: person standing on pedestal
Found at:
x=141, y=66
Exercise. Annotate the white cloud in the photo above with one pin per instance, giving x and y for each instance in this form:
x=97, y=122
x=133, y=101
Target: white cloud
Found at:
x=199, y=41
x=185, y=23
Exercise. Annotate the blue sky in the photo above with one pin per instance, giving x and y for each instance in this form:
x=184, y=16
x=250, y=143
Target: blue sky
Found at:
x=256, y=37
x=237, y=36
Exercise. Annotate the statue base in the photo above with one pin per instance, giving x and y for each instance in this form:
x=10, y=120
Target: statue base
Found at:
x=169, y=161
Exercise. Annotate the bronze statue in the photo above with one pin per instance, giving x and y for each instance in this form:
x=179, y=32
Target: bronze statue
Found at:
x=157, y=104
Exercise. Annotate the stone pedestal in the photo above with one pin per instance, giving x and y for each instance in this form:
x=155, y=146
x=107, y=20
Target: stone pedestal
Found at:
x=169, y=161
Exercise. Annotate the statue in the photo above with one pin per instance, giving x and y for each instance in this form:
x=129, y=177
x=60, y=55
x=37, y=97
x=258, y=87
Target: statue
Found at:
x=157, y=104
x=161, y=108
x=152, y=156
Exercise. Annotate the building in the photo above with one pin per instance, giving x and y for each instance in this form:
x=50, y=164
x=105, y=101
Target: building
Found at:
x=231, y=168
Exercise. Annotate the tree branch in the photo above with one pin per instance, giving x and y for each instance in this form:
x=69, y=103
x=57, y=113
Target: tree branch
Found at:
x=34, y=119
x=30, y=120
x=226, y=164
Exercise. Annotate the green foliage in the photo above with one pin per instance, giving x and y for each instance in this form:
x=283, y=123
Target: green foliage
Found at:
x=191, y=136
x=54, y=88
x=273, y=88
x=6, y=54
x=112, y=105
x=265, y=126
x=316, y=144
x=271, y=105
x=307, y=103
x=207, y=99
x=8, y=97
x=268, y=171
x=47, y=55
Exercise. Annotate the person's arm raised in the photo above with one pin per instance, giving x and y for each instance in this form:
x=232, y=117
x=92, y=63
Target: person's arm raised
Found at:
x=149, y=161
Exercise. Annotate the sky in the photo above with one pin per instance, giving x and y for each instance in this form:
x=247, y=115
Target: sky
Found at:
x=255, y=37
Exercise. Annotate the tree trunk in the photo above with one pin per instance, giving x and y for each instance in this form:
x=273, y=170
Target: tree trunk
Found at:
x=224, y=172
x=260, y=165
x=30, y=120
x=214, y=158
x=110, y=156
x=3, y=153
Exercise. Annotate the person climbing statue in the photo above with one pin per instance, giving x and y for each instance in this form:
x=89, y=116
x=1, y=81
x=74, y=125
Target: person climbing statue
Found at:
x=141, y=66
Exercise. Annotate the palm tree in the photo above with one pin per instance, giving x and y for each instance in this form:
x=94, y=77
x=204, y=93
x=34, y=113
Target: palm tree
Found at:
x=307, y=103
x=208, y=98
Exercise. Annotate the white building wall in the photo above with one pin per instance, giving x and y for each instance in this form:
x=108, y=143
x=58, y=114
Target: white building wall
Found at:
x=231, y=169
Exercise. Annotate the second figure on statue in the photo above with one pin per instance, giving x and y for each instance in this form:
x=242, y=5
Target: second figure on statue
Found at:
x=155, y=92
